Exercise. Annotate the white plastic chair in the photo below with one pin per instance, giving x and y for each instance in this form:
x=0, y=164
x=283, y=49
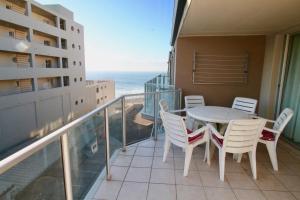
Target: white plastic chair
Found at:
x=245, y=104
x=241, y=136
x=270, y=136
x=177, y=134
x=192, y=101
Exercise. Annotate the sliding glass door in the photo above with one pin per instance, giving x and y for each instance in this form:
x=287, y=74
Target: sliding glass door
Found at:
x=291, y=93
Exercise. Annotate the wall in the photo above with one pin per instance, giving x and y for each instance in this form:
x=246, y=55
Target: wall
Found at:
x=271, y=75
x=221, y=95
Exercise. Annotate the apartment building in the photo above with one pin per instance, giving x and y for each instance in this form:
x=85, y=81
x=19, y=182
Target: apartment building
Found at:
x=101, y=90
x=42, y=71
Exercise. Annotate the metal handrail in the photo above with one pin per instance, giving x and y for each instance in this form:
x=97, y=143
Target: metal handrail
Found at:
x=27, y=151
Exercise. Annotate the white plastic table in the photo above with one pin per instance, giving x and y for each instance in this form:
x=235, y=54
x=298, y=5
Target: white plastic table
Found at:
x=216, y=114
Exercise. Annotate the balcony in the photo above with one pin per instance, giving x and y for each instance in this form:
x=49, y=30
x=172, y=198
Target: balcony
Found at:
x=72, y=158
x=43, y=16
x=16, y=6
x=10, y=87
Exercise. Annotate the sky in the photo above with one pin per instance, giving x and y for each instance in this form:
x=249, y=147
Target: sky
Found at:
x=123, y=35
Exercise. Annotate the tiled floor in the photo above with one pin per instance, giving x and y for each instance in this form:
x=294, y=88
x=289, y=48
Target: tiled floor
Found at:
x=140, y=174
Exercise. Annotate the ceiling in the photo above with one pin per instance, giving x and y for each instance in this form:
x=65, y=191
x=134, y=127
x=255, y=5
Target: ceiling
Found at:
x=240, y=17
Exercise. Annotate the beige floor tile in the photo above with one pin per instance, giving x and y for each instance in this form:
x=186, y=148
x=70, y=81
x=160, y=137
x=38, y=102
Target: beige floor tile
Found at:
x=241, y=181
x=118, y=173
x=133, y=191
x=292, y=183
x=108, y=190
x=121, y=160
x=144, y=151
x=249, y=194
x=138, y=174
x=158, y=163
x=166, y=176
x=203, y=166
x=269, y=182
x=212, y=179
x=295, y=168
x=159, y=151
x=275, y=195
x=147, y=143
x=161, y=191
x=190, y=192
x=297, y=195
x=179, y=164
x=129, y=151
x=219, y=193
x=193, y=178
x=141, y=161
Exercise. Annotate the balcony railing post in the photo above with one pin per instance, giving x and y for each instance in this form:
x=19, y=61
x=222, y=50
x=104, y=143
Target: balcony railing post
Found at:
x=108, y=175
x=124, y=124
x=155, y=114
x=66, y=166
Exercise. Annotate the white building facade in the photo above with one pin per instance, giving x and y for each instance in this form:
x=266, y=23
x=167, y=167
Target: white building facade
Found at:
x=42, y=71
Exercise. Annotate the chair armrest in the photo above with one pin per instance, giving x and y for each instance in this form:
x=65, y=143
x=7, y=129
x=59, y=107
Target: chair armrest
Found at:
x=214, y=131
x=176, y=111
x=271, y=130
x=198, y=131
x=267, y=120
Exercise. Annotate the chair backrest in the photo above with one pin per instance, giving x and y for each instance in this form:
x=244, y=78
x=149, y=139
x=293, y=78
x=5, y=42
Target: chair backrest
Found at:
x=175, y=128
x=193, y=101
x=282, y=120
x=245, y=104
x=242, y=136
x=163, y=104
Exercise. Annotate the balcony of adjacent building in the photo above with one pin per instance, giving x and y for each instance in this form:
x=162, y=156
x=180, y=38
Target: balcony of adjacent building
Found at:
x=16, y=86
x=49, y=62
x=13, y=31
x=45, y=39
x=47, y=83
x=43, y=16
x=14, y=60
x=16, y=6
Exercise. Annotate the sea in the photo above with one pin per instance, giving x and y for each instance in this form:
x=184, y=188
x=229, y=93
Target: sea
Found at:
x=125, y=82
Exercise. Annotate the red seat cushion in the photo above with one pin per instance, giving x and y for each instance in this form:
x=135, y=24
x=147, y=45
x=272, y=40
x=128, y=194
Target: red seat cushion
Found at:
x=218, y=140
x=194, y=138
x=267, y=135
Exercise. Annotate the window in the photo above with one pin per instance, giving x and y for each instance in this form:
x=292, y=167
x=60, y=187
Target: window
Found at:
x=72, y=28
x=97, y=90
x=66, y=81
x=11, y=34
x=78, y=31
x=79, y=47
x=105, y=97
x=63, y=43
x=98, y=101
x=80, y=79
x=75, y=80
x=80, y=63
x=62, y=24
x=48, y=63
x=73, y=46
x=76, y=102
x=81, y=100
x=46, y=21
x=18, y=83
x=46, y=42
x=8, y=7
x=74, y=63
x=65, y=62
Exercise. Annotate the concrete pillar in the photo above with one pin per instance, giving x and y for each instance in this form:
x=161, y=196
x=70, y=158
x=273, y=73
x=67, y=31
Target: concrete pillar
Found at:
x=28, y=9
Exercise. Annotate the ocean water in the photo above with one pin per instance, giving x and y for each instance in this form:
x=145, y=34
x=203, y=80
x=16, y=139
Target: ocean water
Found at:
x=125, y=82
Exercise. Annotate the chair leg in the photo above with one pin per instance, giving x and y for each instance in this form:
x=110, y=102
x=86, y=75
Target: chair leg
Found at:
x=252, y=157
x=222, y=156
x=187, y=160
x=166, y=148
x=207, y=152
x=272, y=154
